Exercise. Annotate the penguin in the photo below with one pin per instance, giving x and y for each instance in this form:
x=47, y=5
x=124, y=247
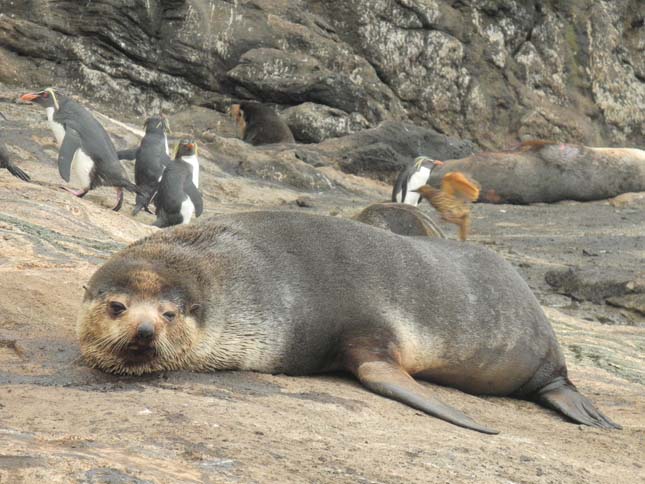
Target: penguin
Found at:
x=86, y=156
x=5, y=161
x=151, y=158
x=178, y=198
x=260, y=125
x=411, y=178
x=189, y=155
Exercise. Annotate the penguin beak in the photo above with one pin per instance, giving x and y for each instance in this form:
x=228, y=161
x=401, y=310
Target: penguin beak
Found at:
x=438, y=163
x=29, y=97
x=190, y=146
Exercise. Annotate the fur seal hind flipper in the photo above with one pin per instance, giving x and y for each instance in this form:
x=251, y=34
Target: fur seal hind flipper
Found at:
x=563, y=396
x=392, y=381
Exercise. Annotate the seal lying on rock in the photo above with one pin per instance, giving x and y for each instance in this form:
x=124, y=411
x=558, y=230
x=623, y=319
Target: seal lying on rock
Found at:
x=400, y=218
x=281, y=292
x=542, y=171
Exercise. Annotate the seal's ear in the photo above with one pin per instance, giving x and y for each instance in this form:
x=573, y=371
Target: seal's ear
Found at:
x=194, y=308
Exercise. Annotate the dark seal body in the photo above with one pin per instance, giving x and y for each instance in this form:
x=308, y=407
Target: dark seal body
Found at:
x=261, y=125
x=538, y=171
x=284, y=292
x=400, y=218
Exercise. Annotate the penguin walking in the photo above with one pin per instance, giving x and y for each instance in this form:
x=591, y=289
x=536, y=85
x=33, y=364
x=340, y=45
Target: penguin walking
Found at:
x=86, y=156
x=260, y=125
x=411, y=178
x=151, y=158
x=178, y=198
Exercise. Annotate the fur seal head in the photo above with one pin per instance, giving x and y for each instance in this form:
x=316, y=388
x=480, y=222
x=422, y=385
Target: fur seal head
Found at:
x=143, y=319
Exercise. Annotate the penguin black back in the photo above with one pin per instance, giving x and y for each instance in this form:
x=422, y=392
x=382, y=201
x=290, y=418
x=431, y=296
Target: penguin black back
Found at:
x=151, y=158
x=177, y=197
x=261, y=125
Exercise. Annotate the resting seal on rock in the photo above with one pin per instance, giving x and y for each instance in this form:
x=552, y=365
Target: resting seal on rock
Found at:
x=400, y=218
x=284, y=292
x=542, y=171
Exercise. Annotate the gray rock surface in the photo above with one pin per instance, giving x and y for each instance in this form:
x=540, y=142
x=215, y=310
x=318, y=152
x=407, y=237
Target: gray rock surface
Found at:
x=492, y=71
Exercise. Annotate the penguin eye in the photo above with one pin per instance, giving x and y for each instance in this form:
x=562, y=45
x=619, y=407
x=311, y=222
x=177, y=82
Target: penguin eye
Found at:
x=169, y=315
x=45, y=95
x=116, y=308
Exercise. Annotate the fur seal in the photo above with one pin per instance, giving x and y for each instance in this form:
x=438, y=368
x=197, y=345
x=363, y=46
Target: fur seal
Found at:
x=284, y=292
x=400, y=218
x=259, y=124
x=543, y=171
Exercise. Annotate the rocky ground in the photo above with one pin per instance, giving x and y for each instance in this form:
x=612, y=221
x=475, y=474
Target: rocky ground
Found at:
x=63, y=422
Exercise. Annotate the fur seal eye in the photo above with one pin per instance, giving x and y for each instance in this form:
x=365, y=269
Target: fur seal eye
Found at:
x=116, y=308
x=169, y=315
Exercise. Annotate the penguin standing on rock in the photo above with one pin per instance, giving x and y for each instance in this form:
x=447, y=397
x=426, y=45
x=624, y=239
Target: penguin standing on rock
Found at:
x=86, y=156
x=151, y=158
x=178, y=197
x=411, y=178
x=260, y=125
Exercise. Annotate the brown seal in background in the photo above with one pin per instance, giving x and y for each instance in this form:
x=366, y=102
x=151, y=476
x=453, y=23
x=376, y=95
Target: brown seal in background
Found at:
x=259, y=124
x=543, y=171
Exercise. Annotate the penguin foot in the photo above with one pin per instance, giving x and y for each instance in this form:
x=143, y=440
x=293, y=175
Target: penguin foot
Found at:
x=76, y=193
x=119, y=199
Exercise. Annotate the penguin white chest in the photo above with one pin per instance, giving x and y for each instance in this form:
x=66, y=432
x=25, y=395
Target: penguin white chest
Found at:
x=81, y=171
x=194, y=162
x=416, y=181
x=187, y=210
x=56, y=127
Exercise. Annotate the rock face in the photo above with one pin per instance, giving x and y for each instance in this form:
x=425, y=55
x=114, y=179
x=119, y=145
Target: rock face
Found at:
x=488, y=71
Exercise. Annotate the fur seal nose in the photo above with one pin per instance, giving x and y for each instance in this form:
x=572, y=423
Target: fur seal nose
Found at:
x=145, y=331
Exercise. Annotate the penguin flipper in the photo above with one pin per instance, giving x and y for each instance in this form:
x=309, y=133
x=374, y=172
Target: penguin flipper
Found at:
x=17, y=172
x=129, y=154
x=195, y=196
x=71, y=143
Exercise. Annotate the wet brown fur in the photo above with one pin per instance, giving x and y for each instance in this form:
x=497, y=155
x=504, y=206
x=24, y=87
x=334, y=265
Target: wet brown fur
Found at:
x=453, y=200
x=236, y=112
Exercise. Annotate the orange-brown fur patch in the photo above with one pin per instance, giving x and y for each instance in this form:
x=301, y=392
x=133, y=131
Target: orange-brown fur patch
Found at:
x=238, y=115
x=532, y=145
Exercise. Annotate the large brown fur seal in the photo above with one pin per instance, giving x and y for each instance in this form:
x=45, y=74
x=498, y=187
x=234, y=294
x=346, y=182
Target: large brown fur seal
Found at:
x=542, y=171
x=282, y=292
x=259, y=124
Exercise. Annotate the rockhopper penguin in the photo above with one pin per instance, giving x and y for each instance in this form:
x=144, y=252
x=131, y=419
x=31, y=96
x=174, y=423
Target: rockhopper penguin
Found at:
x=86, y=156
x=411, y=178
x=178, y=197
x=151, y=158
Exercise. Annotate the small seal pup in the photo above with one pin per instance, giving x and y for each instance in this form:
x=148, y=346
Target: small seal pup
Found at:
x=284, y=292
x=259, y=124
x=86, y=156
